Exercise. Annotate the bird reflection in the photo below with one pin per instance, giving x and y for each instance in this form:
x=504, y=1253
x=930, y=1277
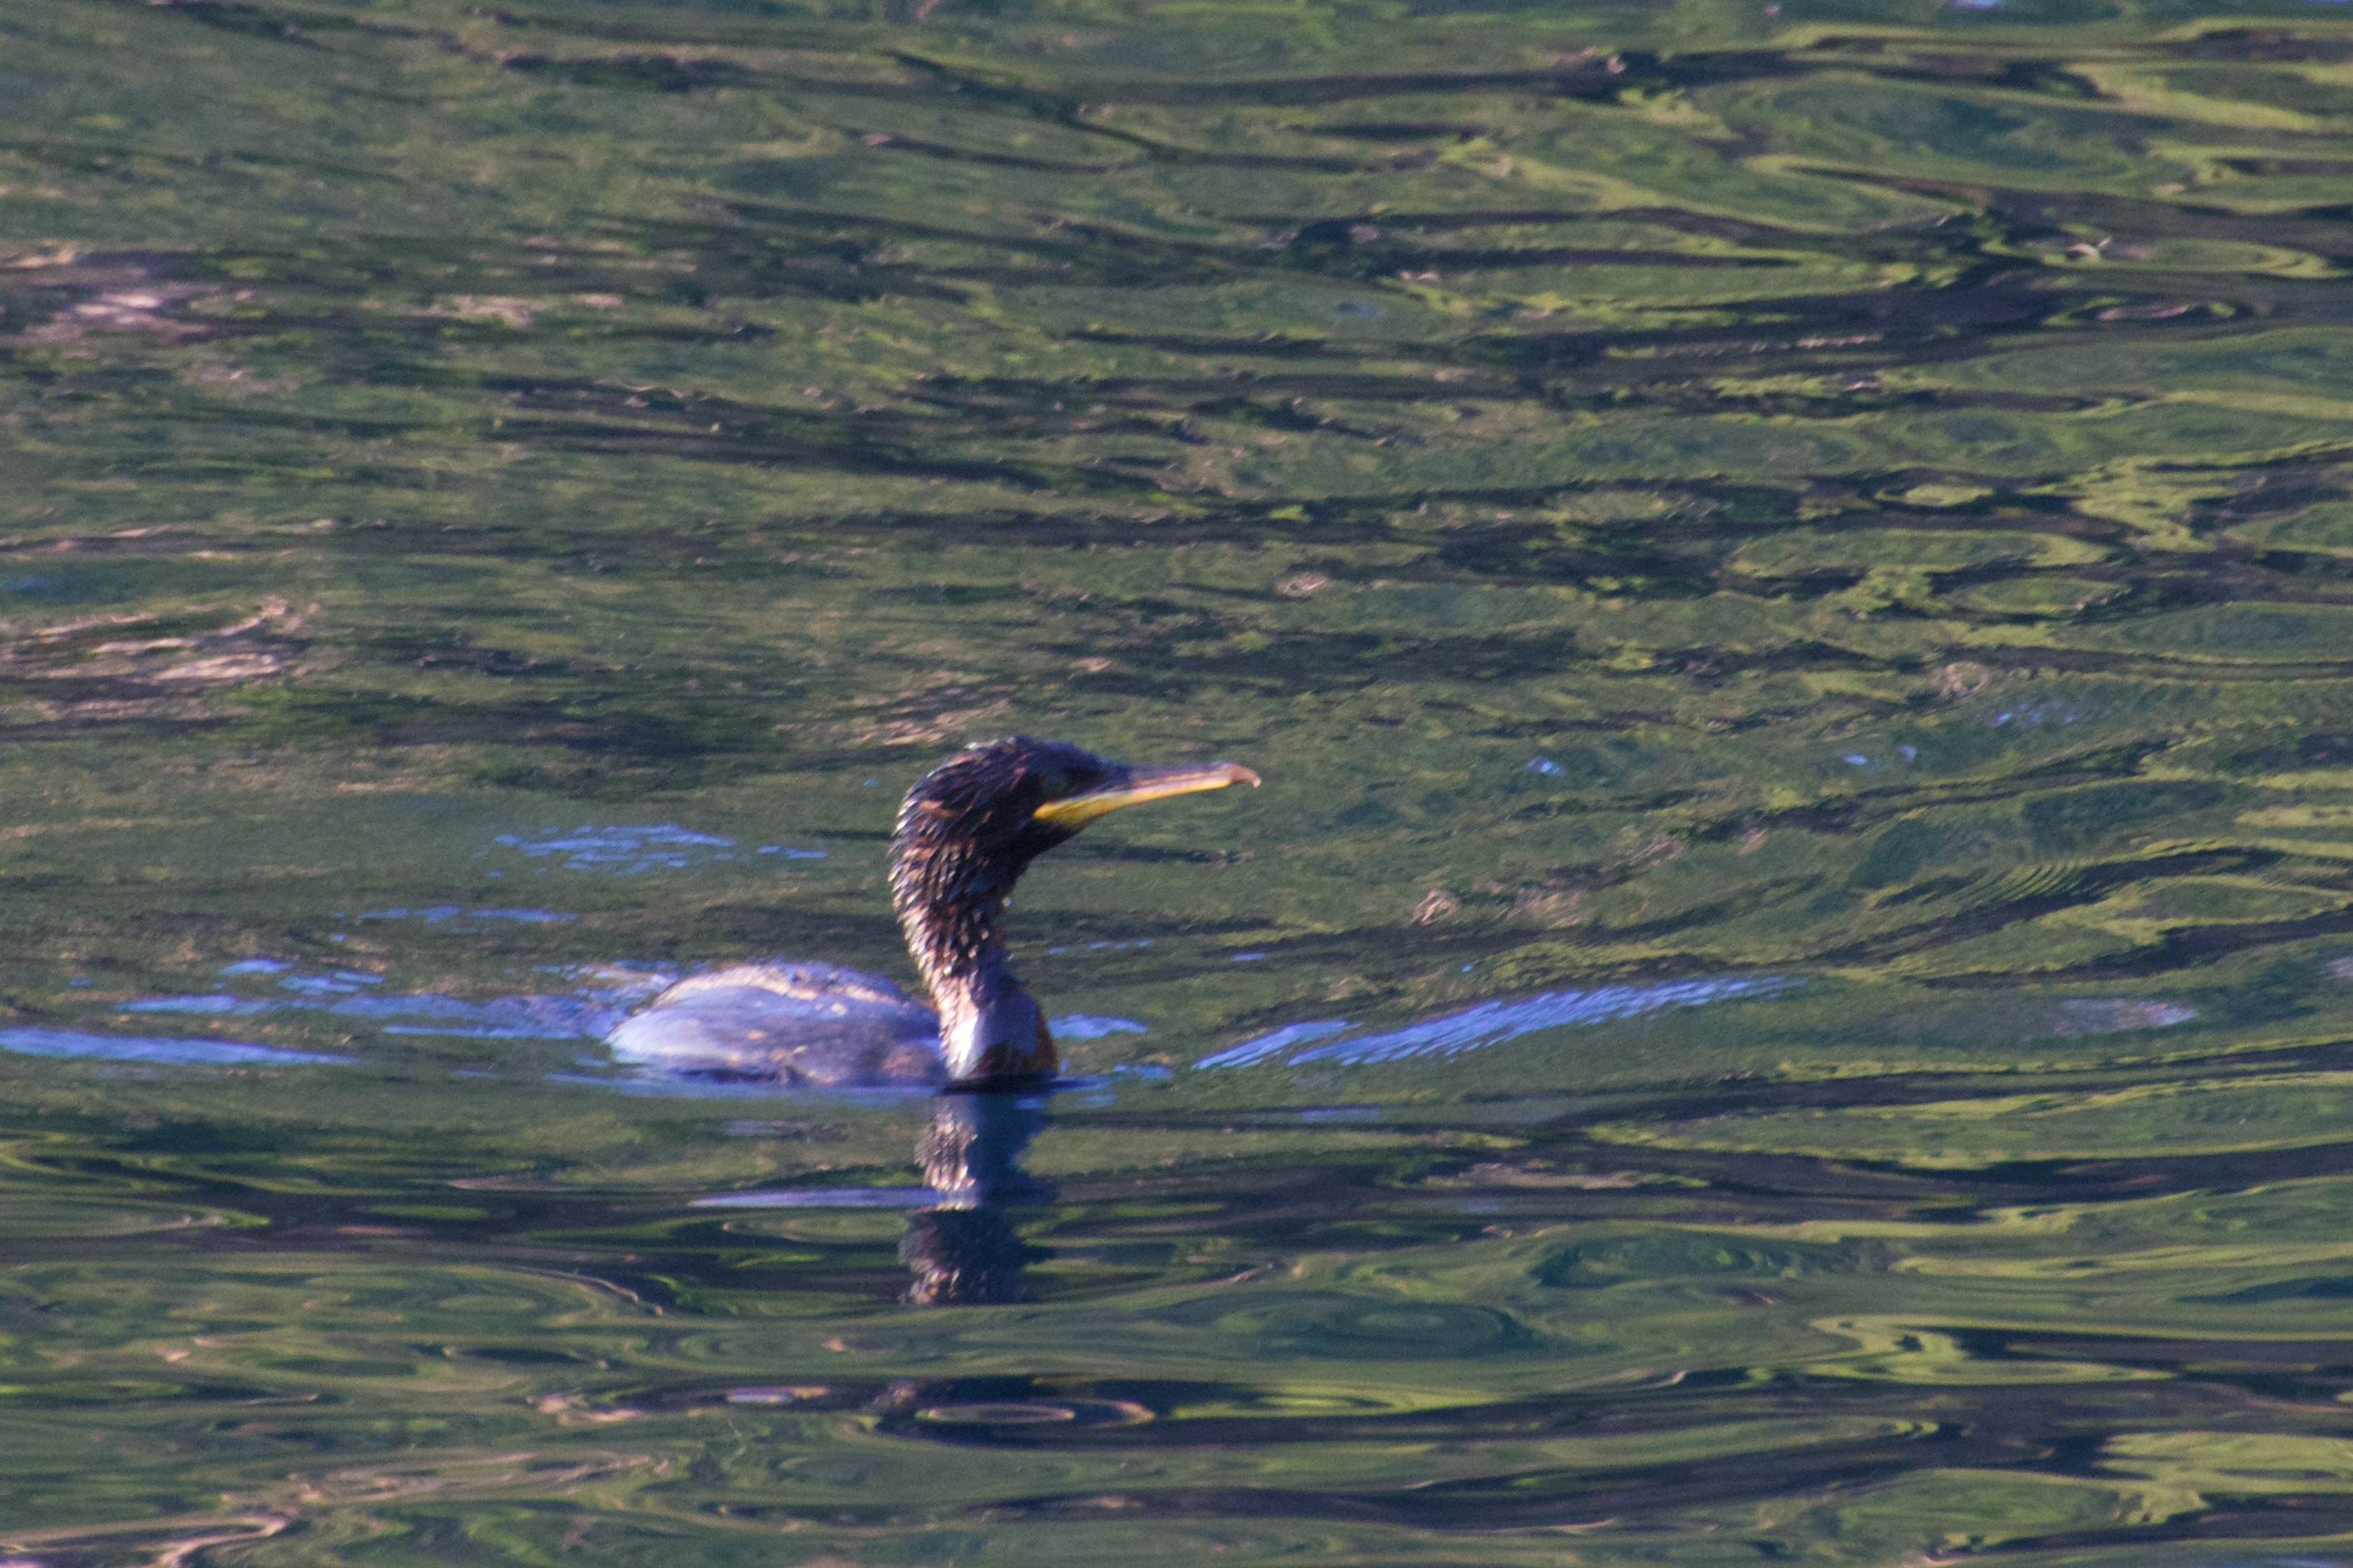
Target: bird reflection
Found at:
x=963, y=1250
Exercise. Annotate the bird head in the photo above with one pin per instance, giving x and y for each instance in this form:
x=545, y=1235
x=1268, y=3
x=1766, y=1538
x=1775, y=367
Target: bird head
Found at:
x=971, y=827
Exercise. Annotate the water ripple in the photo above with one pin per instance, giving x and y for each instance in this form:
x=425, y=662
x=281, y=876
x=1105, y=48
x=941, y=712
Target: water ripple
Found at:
x=1490, y=1022
x=152, y=1048
x=625, y=850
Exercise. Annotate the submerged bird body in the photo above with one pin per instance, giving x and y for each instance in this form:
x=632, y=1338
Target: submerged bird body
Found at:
x=966, y=832
x=813, y=1025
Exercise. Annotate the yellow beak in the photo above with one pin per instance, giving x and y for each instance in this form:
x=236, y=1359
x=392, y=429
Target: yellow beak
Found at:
x=1142, y=784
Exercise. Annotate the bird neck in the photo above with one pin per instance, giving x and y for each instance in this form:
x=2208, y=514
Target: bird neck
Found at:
x=989, y=1027
x=954, y=925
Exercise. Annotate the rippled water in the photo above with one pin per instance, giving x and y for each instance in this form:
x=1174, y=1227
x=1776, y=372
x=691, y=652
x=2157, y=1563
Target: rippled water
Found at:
x=1789, y=570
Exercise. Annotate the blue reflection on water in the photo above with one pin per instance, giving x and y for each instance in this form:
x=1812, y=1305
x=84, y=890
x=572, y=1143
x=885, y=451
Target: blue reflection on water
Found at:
x=1266, y=1046
x=150, y=1048
x=626, y=849
x=534, y=1017
x=1093, y=1026
x=1491, y=1023
x=341, y=983
x=588, y=1013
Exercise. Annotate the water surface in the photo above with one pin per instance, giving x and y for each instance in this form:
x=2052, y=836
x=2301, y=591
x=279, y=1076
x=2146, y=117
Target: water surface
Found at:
x=1787, y=568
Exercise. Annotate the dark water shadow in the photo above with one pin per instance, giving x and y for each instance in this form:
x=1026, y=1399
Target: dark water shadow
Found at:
x=965, y=1250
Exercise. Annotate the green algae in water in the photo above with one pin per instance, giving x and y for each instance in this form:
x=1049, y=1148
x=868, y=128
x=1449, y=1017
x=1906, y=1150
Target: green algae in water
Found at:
x=1784, y=568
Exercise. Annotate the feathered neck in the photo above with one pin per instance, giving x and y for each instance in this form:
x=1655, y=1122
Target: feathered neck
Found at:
x=950, y=897
x=950, y=893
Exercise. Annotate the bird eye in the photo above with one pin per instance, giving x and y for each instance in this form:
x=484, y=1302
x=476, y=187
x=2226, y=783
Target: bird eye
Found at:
x=1055, y=784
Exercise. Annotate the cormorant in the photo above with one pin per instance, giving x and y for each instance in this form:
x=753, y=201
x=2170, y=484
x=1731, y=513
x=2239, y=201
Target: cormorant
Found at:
x=966, y=832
